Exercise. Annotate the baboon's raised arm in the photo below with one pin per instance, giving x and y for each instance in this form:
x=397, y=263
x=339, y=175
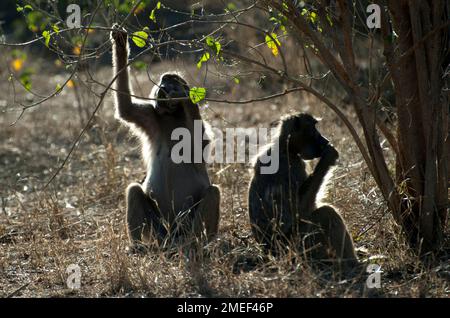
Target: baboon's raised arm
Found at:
x=127, y=108
x=311, y=186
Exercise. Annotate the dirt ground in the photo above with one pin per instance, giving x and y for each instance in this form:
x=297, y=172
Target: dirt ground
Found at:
x=79, y=218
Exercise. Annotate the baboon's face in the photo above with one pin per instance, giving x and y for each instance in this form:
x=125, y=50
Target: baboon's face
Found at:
x=170, y=87
x=305, y=139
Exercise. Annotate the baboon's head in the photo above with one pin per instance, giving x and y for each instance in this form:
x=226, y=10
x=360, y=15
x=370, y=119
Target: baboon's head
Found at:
x=171, y=86
x=300, y=133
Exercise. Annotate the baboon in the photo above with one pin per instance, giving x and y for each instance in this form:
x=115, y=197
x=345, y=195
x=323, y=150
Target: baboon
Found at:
x=282, y=206
x=175, y=199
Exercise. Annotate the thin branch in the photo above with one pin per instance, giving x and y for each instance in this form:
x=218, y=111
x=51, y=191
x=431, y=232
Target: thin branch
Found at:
x=258, y=99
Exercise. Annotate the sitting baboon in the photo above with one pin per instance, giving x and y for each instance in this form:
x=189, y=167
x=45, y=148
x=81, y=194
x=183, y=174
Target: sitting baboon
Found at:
x=175, y=199
x=282, y=206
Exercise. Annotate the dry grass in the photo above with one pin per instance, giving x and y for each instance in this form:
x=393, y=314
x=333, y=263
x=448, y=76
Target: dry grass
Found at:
x=79, y=219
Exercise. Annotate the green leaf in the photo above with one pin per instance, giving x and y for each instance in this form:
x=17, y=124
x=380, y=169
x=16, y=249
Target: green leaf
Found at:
x=236, y=80
x=218, y=47
x=204, y=58
x=58, y=88
x=231, y=6
x=272, y=43
x=209, y=41
x=330, y=21
x=55, y=28
x=25, y=79
x=17, y=54
x=152, y=15
x=19, y=8
x=139, y=8
x=313, y=17
x=124, y=7
x=29, y=7
x=213, y=44
x=197, y=94
x=139, y=65
x=46, y=35
x=139, y=38
x=282, y=18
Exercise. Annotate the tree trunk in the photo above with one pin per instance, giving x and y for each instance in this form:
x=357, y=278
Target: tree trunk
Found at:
x=418, y=193
x=422, y=111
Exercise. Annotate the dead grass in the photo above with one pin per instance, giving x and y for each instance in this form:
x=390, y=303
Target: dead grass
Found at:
x=79, y=219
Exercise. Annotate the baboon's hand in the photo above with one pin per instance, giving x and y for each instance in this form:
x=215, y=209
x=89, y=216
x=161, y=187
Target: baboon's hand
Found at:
x=119, y=36
x=330, y=155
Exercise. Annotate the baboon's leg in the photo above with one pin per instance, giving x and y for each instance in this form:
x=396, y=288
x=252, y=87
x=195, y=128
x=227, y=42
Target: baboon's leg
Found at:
x=143, y=215
x=333, y=235
x=258, y=216
x=207, y=214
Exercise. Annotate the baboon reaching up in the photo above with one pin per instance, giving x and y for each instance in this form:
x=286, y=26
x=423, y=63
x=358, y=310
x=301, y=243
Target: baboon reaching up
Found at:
x=282, y=206
x=175, y=199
